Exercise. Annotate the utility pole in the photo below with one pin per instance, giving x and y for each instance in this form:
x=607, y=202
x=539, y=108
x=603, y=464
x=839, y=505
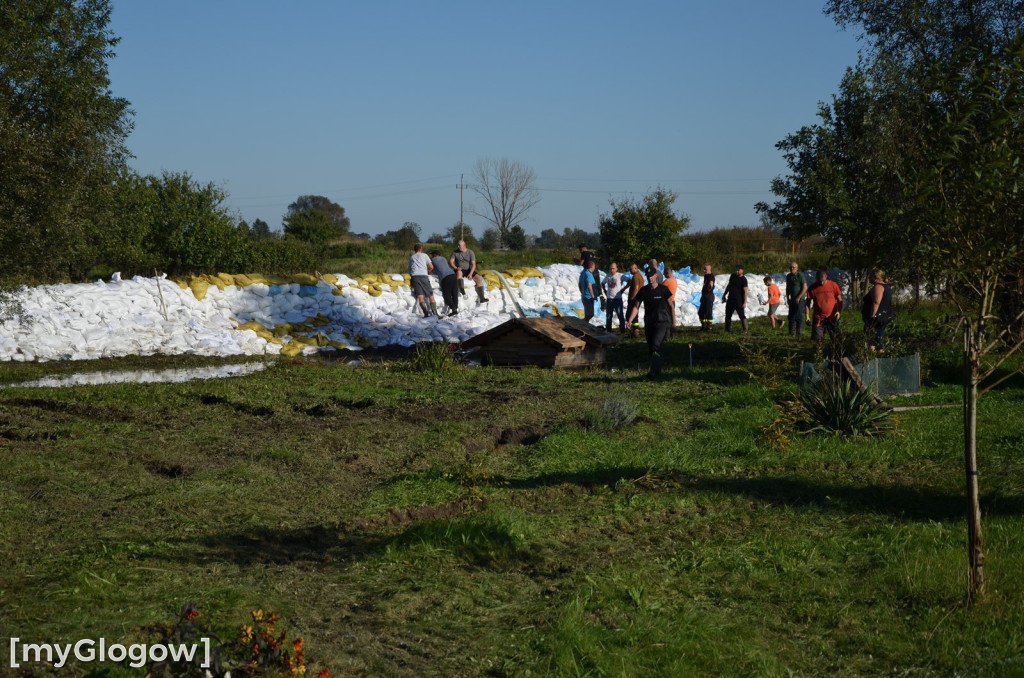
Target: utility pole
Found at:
x=462, y=224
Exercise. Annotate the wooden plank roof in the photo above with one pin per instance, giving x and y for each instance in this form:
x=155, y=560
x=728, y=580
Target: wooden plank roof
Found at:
x=561, y=333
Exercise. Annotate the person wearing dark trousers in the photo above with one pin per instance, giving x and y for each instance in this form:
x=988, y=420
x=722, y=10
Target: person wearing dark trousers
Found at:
x=614, y=286
x=657, y=320
x=449, y=282
x=636, y=283
x=796, y=297
x=876, y=310
x=736, y=298
x=586, y=256
x=707, y=300
x=588, y=290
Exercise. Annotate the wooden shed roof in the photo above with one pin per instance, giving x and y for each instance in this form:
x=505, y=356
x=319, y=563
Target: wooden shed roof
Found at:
x=562, y=333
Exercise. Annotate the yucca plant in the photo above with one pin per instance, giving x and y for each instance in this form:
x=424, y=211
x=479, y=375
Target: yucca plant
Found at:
x=835, y=405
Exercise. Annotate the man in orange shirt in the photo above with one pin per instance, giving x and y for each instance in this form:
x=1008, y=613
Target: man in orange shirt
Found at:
x=773, y=299
x=827, y=301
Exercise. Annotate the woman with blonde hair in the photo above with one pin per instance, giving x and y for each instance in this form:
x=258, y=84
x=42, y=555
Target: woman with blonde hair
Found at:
x=876, y=310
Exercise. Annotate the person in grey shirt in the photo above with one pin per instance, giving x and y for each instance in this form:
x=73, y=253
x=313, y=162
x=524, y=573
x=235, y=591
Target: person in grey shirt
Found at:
x=420, y=267
x=448, y=280
x=463, y=260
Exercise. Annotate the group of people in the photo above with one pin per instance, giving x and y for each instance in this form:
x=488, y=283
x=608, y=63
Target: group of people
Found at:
x=451, y=273
x=822, y=302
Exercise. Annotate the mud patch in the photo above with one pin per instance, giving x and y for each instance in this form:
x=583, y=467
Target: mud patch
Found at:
x=527, y=434
x=169, y=471
x=244, y=408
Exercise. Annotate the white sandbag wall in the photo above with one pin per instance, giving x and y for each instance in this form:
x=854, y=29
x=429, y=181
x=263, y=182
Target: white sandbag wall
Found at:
x=255, y=315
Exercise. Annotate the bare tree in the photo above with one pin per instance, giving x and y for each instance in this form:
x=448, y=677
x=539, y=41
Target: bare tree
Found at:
x=507, y=189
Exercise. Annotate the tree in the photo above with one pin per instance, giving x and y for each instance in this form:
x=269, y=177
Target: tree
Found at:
x=507, y=189
x=62, y=132
x=516, y=238
x=261, y=230
x=404, y=238
x=316, y=220
x=460, y=231
x=490, y=240
x=638, y=230
x=967, y=175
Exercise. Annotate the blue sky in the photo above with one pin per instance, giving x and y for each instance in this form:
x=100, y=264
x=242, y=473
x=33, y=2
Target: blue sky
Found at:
x=381, y=106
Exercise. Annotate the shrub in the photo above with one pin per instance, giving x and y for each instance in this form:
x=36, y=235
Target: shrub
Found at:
x=432, y=356
x=835, y=405
x=617, y=409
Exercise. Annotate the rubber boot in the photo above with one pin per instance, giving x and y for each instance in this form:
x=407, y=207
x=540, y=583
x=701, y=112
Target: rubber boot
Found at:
x=462, y=286
x=425, y=309
x=655, y=371
x=481, y=299
x=744, y=321
x=433, y=308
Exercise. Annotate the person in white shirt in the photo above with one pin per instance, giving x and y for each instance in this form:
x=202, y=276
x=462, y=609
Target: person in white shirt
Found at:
x=420, y=268
x=614, y=286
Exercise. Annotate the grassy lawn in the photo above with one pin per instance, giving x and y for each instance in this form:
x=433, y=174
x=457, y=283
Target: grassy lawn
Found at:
x=481, y=521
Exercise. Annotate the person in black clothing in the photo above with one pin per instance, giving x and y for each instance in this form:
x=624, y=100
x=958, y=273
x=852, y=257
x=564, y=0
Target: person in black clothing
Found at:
x=876, y=310
x=707, y=300
x=657, y=320
x=735, y=298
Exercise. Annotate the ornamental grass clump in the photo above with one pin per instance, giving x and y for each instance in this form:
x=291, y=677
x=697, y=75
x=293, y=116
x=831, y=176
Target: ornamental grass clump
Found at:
x=836, y=406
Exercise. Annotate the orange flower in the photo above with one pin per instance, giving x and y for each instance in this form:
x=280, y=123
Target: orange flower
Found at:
x=323, y=674
x=297, y=645
x=192, y=614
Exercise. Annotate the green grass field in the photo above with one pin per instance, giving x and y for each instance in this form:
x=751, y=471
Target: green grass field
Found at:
x=488, y=522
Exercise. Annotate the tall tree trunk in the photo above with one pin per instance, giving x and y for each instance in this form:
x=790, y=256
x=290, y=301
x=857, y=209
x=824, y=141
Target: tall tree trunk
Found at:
x=976, y=555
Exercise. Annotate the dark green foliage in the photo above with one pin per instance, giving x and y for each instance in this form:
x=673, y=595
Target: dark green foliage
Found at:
x=834, y=405
x=316, y=220
x=638, y=230
x=432, y=357
x=490, y=240
x=516, y=238
x=403, y=239
x=62, y=133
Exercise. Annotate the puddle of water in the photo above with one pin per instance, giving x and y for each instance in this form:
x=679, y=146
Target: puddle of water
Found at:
x=172, y=375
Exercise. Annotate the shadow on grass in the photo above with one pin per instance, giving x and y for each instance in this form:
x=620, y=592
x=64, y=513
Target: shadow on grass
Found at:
x=908, y=502
x=475, y=538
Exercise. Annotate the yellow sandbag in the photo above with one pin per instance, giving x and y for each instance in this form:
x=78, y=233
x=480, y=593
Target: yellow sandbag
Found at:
x=330, y=277
x=338, y=291
x=319, y=320
x=215, y=281
x=282, y=330
x=252, y=325
x=532, y=273
x=270, y=338
x=554, y=310
x=291, y=349
x=305, y=279
x=242, y=280
x=199, y=288
x=578, y=311
x=182, y=284
x=227, y=278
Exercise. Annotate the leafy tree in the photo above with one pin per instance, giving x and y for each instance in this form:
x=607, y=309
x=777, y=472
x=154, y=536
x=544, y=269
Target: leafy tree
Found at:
x=490, y=240
x=404, y=238
x=62, y=132
x=967, y=175
x=637, y=230
x=508, y=192
x=461, y=231
x=516, y=238
x=261, y=230
x=316, y=220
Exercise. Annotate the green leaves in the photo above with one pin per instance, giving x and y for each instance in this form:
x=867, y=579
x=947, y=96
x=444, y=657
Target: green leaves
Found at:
x=638, y=230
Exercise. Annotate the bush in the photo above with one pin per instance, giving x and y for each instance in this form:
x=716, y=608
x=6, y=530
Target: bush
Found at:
x=835, y=405
x=618, y=408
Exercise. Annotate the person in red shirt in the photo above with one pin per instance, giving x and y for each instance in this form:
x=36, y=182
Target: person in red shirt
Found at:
x=827, y=301
x=773, y=299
